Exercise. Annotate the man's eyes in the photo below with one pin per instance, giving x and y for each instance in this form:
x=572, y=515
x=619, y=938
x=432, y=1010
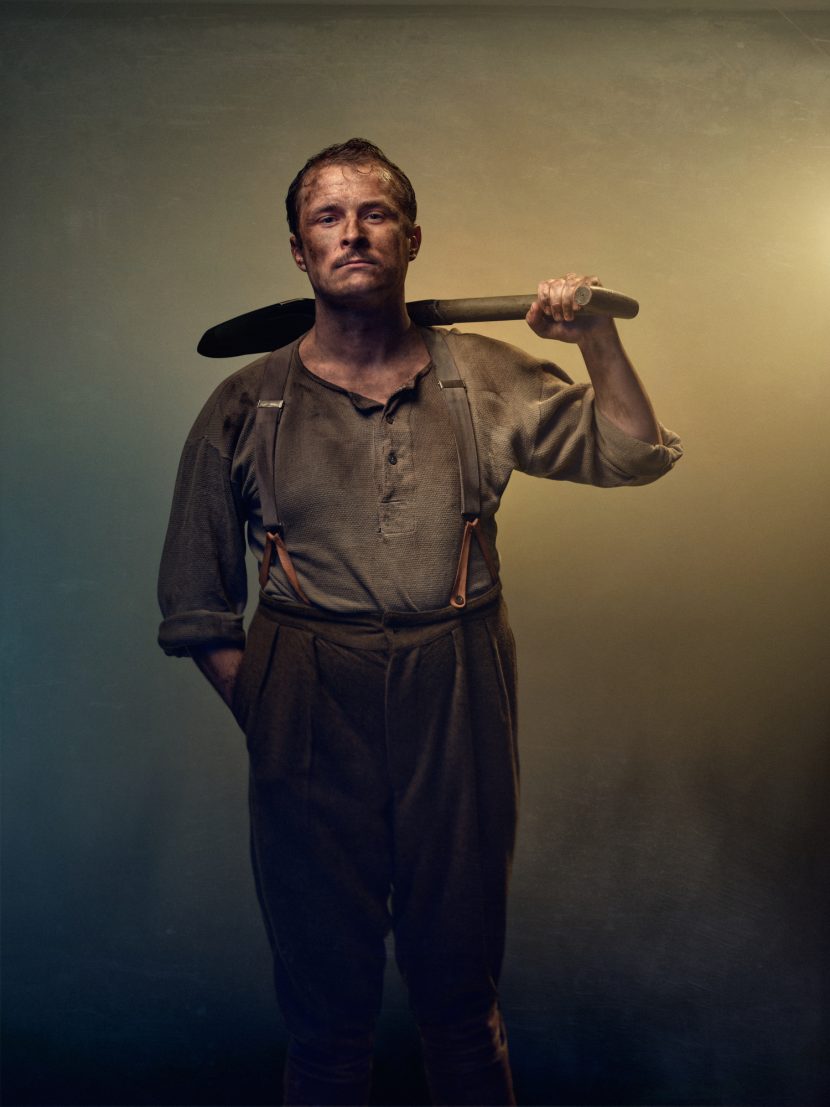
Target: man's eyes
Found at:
x=373, y=216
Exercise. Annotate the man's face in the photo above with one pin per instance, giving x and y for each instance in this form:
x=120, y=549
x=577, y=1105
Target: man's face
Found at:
x=354, y=242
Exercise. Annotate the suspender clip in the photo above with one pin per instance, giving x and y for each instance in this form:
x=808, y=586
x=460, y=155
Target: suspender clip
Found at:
x=459, y=586
x=274, y=543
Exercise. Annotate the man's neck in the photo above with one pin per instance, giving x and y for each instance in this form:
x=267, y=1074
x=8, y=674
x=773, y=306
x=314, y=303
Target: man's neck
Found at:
x=369, y=351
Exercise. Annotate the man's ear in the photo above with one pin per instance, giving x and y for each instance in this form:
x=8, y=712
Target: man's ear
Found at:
x=414, y=241
x=297, y=252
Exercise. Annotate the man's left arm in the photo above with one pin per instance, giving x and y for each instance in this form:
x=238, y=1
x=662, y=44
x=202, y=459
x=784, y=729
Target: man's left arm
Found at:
x=618, y=391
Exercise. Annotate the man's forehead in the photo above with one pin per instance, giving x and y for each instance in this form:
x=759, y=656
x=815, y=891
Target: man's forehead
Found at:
x=329, y=181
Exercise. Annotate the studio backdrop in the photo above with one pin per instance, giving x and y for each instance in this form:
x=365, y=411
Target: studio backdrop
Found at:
x=668, y=893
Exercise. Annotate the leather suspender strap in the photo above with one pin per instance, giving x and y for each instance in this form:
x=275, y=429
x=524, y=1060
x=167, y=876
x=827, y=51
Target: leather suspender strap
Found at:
x=268, y=414
x=275, y=541
x=454, y=392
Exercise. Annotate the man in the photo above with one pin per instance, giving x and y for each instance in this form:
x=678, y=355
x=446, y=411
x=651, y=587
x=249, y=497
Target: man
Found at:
x=376, y=686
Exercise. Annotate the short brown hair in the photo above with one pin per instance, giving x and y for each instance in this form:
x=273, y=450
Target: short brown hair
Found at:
x=356, y=151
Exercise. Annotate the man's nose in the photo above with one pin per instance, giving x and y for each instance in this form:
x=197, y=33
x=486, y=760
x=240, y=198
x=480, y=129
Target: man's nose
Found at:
x=352, y=230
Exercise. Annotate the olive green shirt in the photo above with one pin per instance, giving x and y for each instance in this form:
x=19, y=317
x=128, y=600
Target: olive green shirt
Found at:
x=369, y=493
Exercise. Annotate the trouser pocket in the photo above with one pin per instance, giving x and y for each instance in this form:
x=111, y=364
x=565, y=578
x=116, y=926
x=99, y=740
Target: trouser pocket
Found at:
x=256, y=661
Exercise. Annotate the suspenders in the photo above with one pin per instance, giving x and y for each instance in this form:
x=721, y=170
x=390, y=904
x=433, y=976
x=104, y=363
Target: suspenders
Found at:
x=269, y=412
x=454, y=392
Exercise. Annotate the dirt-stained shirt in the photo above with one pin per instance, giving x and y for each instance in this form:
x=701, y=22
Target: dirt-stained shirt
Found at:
x=369, y=493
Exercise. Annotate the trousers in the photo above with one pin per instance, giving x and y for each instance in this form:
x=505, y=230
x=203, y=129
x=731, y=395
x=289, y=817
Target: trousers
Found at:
x=383, y=789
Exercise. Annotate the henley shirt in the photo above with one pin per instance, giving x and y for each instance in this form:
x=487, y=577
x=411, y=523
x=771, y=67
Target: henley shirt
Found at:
x=369, y=493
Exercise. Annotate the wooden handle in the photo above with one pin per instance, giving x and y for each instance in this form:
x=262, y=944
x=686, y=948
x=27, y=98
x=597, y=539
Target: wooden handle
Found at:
x=484, y=309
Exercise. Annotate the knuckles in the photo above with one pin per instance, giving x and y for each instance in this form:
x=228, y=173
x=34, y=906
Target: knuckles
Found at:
x=556, y=294
x=555, y=304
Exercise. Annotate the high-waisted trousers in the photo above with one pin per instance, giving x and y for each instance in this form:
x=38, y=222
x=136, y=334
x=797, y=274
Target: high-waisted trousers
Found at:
x=383, y=793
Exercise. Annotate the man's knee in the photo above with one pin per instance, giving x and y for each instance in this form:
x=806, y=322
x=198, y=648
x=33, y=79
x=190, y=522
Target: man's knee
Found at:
x=467, y=1043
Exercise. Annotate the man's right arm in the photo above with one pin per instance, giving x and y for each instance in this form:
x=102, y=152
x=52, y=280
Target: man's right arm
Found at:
x=202, y=584
x=220, y=664
x=202, y=587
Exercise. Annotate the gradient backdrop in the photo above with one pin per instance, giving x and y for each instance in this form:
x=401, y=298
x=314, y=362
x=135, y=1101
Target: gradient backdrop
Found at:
x=670, y=886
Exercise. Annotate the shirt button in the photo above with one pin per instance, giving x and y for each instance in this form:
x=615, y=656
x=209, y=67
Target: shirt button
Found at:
x=392, y=458
x=390, y=418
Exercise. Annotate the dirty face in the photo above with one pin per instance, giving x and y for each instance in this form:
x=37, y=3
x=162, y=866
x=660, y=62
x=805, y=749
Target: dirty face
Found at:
x=354, y=242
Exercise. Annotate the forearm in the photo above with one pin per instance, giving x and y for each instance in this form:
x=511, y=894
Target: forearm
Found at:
x=220, y=664
x=619, y=393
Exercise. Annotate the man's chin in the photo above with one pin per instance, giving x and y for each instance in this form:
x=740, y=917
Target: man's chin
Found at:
x=358, y=295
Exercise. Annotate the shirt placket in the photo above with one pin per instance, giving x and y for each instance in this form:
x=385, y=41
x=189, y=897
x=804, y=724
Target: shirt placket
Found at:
x=395, y=515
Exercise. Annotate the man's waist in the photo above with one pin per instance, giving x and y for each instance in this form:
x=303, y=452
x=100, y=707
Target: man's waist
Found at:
x=373, y=630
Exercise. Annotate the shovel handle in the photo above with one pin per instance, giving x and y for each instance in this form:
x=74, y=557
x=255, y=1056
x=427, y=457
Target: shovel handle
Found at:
x=484, y=309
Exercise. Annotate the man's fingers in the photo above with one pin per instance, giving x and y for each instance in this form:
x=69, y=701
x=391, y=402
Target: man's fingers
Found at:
x=555, y=301
x=569, y=286
x=572, y=283
x=557, y=295
x=543, y=296
x=550, y=297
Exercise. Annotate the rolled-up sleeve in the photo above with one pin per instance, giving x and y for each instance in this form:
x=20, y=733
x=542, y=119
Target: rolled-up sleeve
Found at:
x=202, y=587
x=574, y=441
x=635, y=461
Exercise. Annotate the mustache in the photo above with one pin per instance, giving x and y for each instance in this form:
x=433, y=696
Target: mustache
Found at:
x=353, y=257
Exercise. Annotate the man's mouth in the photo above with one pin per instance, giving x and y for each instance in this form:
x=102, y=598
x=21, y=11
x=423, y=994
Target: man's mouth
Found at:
x=353, y=261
